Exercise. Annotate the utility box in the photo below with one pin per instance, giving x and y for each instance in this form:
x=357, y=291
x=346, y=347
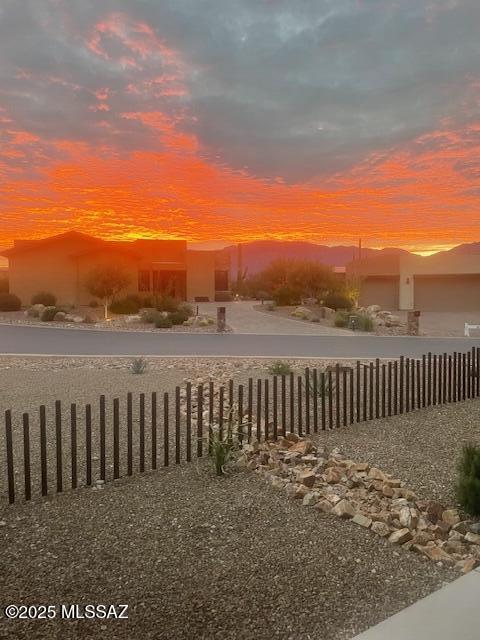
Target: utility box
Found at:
x=221, y=319
x=413, y=323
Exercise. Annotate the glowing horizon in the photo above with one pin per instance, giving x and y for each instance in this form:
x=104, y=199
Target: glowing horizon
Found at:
x=153, y=127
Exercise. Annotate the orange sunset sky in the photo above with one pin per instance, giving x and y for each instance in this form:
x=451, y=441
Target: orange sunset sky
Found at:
x=232, y=121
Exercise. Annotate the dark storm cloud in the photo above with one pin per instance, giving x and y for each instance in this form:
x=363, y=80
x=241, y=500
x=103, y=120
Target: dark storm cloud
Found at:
x=293, y=89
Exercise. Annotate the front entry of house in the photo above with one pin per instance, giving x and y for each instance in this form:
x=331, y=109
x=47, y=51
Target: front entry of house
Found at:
x=163, y=282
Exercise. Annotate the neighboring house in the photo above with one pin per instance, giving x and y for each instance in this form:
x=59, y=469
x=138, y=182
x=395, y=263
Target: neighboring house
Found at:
x=433, y=283
x=60, y=265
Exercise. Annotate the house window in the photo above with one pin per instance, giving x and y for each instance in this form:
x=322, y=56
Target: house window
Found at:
x=144, y=280
x=221, y=280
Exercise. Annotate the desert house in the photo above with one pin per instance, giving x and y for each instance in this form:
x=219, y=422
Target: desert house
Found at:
x=441, y=282
x=60, y=265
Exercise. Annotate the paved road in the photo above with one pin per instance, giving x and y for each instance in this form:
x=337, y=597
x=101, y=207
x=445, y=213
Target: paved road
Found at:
x=52, y=341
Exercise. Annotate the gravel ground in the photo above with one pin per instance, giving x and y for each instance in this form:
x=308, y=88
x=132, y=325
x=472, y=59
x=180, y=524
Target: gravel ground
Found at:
x=421, y=448
x=199, y=557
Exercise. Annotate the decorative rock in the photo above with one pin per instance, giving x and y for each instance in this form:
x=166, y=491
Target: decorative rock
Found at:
x=300, y=492
x=422, y=538
x=474, y=538
x=362, y=520
x=451, y=517
x=376, y=474
x=436, y=554
x=302, y=446
x=475, y=527
x=467, y=565
x=333, y=475
x=408, y=517
x=400, y=536
x=434, y=511
x=60, y=316
x=324, y=505
x=344, y=509
x=307, y=478
x=311, y=499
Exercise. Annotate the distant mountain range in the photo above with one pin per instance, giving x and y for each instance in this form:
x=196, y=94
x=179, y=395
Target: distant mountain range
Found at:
x=258, y=254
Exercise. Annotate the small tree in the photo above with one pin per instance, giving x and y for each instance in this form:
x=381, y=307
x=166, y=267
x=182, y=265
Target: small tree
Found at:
x=105, y=282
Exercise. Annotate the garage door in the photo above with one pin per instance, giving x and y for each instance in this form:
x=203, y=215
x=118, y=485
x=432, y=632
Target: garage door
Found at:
x=447, y=293
x=382, y=290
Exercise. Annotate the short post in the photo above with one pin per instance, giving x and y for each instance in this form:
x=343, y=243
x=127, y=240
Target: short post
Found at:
x=413, y=323
x=221, y=319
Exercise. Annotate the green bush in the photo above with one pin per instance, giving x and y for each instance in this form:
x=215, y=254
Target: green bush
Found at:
x=151, y=316
x=337, y=301
x=341, y=319
x=45, y=298
x=279, y=368
x=468, y=483
x=10, y=302
x=186, y=308
x=167, y=303
x=178, y=317
x=365, y=322
x=127, y=305
x=138, y=366
x=163, y=322
x=285, y=295
x=48, y=314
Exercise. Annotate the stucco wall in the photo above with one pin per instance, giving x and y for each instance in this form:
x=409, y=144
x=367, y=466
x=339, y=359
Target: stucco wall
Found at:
x=200, y=274
x=46, y=269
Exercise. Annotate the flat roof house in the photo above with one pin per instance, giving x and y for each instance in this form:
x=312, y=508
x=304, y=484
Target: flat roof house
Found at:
x=60, y=265
x=443, y=282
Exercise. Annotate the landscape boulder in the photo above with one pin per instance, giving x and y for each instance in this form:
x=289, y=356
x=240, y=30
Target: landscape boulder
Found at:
x=60, y=316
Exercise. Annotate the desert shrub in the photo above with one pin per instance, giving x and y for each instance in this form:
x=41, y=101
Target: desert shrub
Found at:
x=151, y=316
x=4, y=286
x=138, y=366
x=88, y=319
x=10, y=302
x=187, y=308
x=270, y=306
x=163, y=322
x=167, y=303
x=222, y=448
x=178, y=317
x=341, y=319
x=285, y=295
x=365, y=322
x=468, y=482
x=279, y=368
x=223, y=296
x=45, y=298
x=337, y=301
x=93, y=304
x=129, y=304
x=324, y=384
x=48, y=314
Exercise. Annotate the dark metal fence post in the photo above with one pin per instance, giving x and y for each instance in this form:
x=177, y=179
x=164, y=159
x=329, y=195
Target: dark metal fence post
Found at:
x=407, y=385
x=344, y=396
x=402, y=383
x=9, y=448
x=429, y=375
x=26, y=457
x=351, y=381
x=307, y=400
x=166, y=432
x=43, y=449
x=267, y=409
x=88, y=445
x=189, y=421
x=250, y=411
x=73, y=444
x=323, y=387
x=58, y=442
x=129, y=434
x=177, y=426
x=240, y=414
x=299, y=406
x=315, y=400
x=337, y=395
x=221, y=404
x=275, y=407
x=371, y=390
x=116, y=438
x=424, y=381
x=384, y=382
x=259, y=411
x=154, y=429
x=357, y=389
x=292, y=402
x=330, y=399
x=102, y=439
x=377, y=388
x=434, y=380
x=365, y=390
x=284, y=405
x=142, y=433
x=200, y=419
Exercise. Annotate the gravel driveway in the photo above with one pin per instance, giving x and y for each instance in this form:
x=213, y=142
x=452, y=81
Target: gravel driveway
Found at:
x=199, y=557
